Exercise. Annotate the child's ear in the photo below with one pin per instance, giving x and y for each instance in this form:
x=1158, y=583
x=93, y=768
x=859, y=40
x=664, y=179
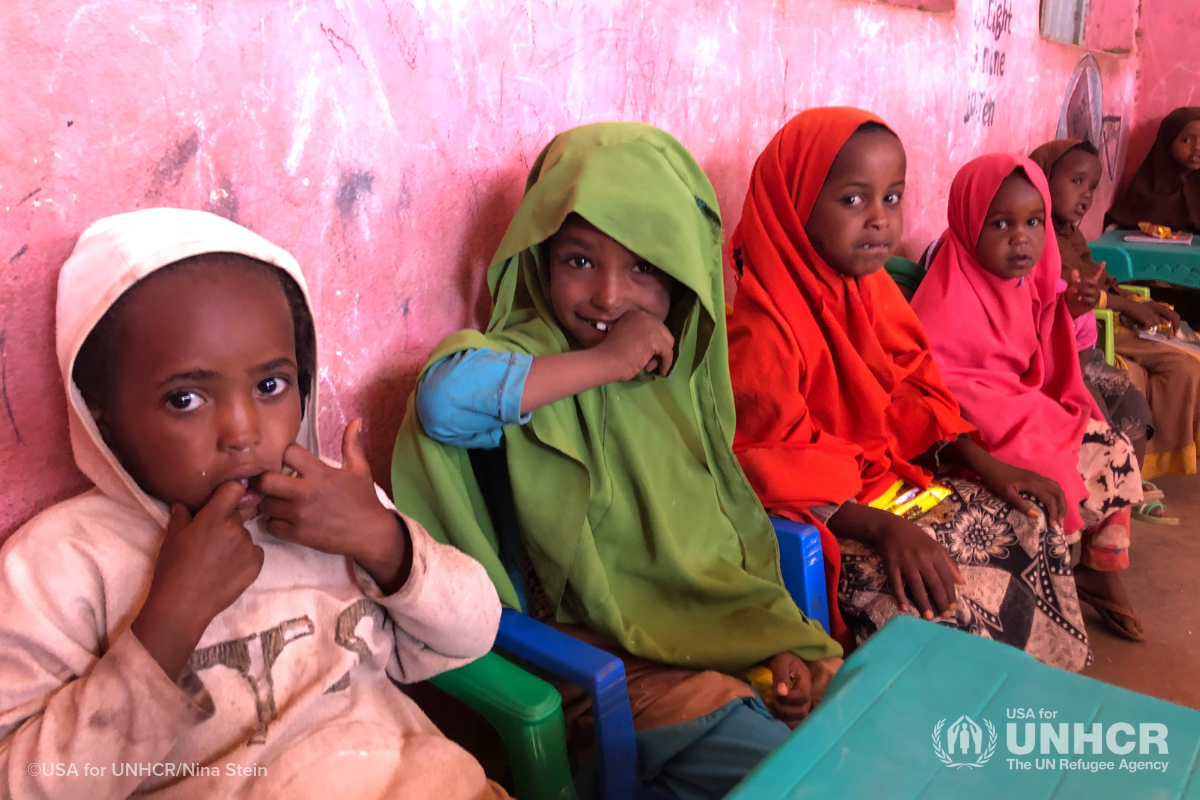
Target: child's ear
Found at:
x=98, y=417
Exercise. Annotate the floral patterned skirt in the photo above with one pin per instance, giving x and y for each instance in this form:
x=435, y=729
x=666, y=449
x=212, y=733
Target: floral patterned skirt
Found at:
x=1019, y=589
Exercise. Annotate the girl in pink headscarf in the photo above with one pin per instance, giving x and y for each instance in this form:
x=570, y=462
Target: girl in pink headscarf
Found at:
x=1004, y=340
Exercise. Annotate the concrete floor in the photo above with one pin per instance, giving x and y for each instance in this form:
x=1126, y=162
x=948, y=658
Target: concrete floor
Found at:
x=1162, y=581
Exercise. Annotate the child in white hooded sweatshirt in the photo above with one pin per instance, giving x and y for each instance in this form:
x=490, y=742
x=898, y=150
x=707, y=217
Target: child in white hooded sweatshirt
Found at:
x=225, y=614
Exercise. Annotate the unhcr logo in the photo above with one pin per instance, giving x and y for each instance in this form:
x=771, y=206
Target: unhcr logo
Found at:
x=964, y=738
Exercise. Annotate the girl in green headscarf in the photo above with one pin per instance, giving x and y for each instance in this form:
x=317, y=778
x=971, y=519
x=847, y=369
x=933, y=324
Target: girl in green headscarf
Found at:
x=604, y=375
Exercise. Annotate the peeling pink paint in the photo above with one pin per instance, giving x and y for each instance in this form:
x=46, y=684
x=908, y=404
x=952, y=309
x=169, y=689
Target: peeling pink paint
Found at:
x=385, y=144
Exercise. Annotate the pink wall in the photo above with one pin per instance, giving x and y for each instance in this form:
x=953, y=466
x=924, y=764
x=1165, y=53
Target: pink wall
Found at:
x=1168, y=71
x=386, y=143
x=1110, y=25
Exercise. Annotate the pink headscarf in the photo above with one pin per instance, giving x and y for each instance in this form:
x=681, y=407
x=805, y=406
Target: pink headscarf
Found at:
x=1006, y=347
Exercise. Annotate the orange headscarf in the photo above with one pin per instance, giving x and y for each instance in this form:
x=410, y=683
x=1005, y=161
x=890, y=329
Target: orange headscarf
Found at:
x=835, y=386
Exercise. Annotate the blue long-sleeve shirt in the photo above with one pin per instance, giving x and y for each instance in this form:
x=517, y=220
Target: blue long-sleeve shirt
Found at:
x=467, y=398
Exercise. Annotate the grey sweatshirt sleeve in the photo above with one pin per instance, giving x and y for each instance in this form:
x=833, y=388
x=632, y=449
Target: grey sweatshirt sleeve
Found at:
x=71, y=705
x=444, y=616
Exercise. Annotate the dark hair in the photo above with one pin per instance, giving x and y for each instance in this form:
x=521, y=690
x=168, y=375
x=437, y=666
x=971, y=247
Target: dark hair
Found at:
x=1084, y=146
x=1022, y=173
x=871, y=126
x=95, y=360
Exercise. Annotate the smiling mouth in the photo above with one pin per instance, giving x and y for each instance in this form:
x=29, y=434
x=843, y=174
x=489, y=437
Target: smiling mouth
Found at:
x=872, y=247
x=599, y=325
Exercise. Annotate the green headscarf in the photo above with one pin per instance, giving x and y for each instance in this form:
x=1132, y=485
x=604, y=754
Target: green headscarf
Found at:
x=632, y=508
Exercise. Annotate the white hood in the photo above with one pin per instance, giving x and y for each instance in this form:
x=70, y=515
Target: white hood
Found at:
x=293, y=686
x=112, y=255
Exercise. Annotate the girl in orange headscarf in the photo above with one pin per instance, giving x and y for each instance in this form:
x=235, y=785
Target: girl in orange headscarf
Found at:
x=839, y=404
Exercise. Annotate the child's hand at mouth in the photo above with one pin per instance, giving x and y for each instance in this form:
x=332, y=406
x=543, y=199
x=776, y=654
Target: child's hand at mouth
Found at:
x=336, y=510
x=635, y=342
x=204, y=564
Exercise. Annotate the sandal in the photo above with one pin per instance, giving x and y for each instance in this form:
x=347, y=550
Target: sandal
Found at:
x=1121, y=620
x=1145, y=512
x=1150, y=492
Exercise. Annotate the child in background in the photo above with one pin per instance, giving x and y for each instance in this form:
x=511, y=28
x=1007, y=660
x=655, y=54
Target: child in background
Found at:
x=603, y=374
x=1165, y=190
x=839, y=400
x=225, y=613
x=1006, y=345
x=1123, y=406
x=1072, y=187
x=1168, y=376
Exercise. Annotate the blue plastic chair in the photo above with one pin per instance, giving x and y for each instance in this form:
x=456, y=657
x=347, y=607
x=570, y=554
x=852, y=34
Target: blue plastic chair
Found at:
x=602, y=674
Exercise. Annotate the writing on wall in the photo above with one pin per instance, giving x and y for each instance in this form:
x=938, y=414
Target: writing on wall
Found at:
x=386, y=146
x=992, y=29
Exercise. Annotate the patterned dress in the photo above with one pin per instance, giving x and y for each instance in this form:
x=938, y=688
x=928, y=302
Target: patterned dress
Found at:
x=1020, y=588
x=1122, y=404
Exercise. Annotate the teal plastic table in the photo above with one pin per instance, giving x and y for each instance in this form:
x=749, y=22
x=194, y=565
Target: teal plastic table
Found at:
x=894, y=711
x=1173, y=263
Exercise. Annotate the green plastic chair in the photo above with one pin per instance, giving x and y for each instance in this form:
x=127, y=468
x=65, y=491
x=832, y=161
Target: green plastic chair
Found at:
x=1106, y=324
x=906, y=273
x=527, y=713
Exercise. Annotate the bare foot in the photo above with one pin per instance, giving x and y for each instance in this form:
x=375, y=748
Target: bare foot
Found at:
x=1105, y=592
x=1106, y=585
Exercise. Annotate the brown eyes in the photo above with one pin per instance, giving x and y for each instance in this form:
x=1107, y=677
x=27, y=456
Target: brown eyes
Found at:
x=640, y=268
x=858, y=200
x=272, y=387
x=1003, y=224
x=187, y=400
x=184, y=401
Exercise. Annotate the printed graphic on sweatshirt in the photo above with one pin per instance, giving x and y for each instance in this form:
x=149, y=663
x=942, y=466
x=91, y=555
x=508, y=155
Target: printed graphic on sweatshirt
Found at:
x=253, y=657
